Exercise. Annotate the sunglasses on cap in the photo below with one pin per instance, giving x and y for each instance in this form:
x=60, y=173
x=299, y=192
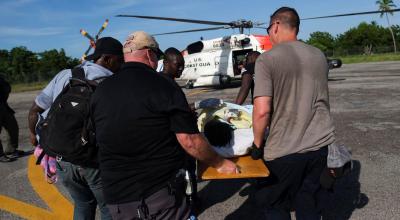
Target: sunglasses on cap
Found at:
x=156, y=51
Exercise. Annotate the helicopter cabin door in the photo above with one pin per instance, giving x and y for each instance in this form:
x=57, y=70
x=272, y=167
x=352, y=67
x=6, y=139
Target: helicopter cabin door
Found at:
x=238, y=58
x=221, y=64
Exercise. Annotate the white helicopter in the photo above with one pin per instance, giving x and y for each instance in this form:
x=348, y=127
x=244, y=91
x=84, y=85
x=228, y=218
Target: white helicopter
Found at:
x=215, y=62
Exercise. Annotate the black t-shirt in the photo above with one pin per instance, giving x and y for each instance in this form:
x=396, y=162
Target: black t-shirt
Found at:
x=5, y=90
x=170, y=80
x=136, y=114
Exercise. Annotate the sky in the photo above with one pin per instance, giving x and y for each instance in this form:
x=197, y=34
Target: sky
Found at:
x=54, y=24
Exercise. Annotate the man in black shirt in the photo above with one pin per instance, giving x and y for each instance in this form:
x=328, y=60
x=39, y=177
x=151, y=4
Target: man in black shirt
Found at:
x=8, y=121
x=247, y=78
x=141, y=121
x=173, y=65
x=173, y=62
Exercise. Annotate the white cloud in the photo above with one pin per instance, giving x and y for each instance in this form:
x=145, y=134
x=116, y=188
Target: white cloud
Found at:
x=31, y=32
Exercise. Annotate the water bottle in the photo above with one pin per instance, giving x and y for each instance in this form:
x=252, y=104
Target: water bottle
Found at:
x=189, y=188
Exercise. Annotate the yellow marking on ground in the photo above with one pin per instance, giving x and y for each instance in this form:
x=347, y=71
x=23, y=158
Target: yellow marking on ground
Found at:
x=199, y=92
x=22, y=209
x=60, y=207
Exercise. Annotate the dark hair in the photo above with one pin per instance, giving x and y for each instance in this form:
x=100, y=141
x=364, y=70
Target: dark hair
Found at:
x=172, y=51
x=287, y=16
x=218, y=133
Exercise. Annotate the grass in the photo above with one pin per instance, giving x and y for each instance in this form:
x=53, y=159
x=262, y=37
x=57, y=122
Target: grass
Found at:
x=370, y=58
x=23, y=87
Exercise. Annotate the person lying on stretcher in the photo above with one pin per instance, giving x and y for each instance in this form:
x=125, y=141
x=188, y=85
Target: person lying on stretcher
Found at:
x=228, y=128
x=226, y=140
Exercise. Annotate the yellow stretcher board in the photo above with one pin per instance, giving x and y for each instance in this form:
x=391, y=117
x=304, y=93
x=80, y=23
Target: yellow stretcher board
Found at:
x=249, y=169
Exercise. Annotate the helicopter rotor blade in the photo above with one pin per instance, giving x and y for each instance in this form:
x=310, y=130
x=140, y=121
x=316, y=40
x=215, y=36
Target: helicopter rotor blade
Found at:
x=88, y=50
x=101, y=29
x=83, y=58
x=193, y=30
x=178, y=19
x=260, y=23
x=352, y=14
x=260, y=27
x=87, y=35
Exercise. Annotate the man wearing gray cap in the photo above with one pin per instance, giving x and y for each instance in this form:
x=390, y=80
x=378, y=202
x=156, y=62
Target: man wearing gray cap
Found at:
x=143, y=126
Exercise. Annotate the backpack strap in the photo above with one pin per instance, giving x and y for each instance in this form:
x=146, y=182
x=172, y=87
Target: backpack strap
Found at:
x=40, y=157
x=78, y=73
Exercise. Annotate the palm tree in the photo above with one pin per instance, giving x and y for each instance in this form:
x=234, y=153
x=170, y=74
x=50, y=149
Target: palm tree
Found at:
x=384, y=6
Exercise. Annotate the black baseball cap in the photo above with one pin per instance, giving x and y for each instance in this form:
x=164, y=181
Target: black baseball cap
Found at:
x=106, y=45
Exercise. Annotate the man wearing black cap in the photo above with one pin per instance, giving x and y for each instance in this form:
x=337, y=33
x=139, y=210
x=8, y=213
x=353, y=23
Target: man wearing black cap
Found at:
x=83, y=183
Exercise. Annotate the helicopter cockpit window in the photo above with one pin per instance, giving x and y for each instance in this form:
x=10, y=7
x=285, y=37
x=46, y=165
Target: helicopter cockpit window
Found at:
x=195, y=47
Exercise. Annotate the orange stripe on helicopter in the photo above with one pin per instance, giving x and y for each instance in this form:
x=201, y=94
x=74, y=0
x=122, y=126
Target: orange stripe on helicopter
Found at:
x=264, y=41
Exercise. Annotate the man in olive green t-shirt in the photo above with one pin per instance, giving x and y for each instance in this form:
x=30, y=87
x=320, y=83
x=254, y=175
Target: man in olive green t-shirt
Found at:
x=291, y=98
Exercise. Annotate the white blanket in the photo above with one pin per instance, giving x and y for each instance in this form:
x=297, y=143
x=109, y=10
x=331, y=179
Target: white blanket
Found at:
x=239, y=145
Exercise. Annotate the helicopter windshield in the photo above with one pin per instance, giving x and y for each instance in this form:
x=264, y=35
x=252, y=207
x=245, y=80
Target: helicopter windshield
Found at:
x=195, y=47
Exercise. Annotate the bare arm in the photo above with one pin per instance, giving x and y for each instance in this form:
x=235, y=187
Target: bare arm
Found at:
x=191, y=106
x=261, y=118
x=244, y=89
x=197, y=146
x=32, y=121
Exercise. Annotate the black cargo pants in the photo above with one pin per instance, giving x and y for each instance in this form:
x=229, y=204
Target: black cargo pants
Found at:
x=9, y=123
x=162, y=205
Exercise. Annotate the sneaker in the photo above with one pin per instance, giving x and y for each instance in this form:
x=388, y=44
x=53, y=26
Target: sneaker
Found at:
x=4, y=158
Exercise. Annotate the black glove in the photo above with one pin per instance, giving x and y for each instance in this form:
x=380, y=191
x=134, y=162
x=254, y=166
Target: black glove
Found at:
x=256, y=152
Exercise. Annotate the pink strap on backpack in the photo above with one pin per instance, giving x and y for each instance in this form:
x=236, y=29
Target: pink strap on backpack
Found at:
x=48, y=164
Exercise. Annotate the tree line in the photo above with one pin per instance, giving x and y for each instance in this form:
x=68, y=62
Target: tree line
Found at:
x=366, y=38
x=20, y=65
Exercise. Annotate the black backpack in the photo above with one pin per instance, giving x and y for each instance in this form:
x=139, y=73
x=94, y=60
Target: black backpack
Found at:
x=67, y=133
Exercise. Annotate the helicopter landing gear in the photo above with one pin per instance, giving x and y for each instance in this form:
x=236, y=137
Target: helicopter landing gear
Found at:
x=224, y=81
x=189, y=84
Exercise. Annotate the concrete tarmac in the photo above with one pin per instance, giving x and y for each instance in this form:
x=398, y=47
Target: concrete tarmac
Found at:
x=365, y=104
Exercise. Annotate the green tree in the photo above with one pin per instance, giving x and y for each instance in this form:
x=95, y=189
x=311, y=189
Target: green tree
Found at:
x=322, y=40
x=20, y=65
x=365, y=38
x=5, y=69
x=384, y=7
x=396, y=32
x=72, y=62
x=23, y=64
x=51, y=61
